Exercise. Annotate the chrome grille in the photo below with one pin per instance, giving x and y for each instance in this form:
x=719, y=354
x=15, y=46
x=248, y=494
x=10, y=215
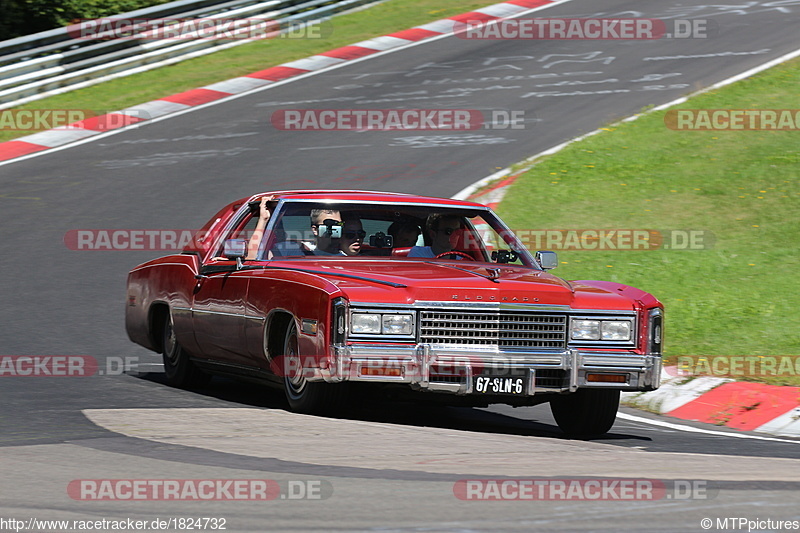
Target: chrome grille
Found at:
x=504, y=329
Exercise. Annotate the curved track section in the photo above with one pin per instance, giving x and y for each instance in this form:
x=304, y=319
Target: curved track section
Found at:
x=388, y=467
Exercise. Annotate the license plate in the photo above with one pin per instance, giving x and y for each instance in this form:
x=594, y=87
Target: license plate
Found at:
x=514, y=385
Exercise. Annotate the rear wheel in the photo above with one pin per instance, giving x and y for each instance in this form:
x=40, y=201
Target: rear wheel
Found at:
x=586, y=412
x=305, y=396
x=179, y=369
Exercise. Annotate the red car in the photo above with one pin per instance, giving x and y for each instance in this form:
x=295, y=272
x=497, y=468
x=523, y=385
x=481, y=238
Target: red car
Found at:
x=434, y=298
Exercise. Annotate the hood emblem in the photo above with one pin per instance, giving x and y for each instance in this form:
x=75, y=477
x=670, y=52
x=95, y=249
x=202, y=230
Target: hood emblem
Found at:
x=493, y=298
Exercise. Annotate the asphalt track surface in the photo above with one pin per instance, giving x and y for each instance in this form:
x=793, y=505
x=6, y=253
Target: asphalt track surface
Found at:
x=383, y=467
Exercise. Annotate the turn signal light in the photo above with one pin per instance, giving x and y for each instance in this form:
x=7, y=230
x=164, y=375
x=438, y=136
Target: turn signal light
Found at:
x=392, y=371
x=607, y=378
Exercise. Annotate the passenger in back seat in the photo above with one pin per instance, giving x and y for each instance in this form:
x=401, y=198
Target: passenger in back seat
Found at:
x=404, y=233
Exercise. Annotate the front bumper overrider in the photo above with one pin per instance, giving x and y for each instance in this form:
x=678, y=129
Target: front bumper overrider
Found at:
x=451, y=368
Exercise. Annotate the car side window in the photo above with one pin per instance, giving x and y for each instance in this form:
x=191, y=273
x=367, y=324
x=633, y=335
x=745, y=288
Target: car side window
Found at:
x=243, y=229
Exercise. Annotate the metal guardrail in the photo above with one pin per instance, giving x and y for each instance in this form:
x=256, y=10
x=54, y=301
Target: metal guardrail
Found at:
x=54, y=61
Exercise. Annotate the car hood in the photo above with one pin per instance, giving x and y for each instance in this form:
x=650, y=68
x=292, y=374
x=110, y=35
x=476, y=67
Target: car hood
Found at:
x=405, y=282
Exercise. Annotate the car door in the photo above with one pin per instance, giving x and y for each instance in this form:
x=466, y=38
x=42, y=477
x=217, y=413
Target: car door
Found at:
x=218, y=307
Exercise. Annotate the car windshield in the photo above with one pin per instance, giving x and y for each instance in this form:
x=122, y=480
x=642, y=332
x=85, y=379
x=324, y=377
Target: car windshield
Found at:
x=402, y=232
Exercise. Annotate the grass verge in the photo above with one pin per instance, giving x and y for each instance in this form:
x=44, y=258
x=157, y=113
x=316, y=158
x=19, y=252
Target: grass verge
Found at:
x=735, y=298
x=120, y=93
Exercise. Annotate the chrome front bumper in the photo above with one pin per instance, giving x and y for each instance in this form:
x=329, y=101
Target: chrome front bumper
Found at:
x=547, y=371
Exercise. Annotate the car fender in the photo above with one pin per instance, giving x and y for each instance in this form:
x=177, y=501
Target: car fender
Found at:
x=305, y=297
x=166, y=281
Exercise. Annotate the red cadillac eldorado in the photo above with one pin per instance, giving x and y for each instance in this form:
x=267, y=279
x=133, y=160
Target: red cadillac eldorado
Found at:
x=429, y=297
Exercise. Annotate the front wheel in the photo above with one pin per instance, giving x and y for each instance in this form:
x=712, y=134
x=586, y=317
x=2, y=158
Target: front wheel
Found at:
x=586, y=412
x=305, y=396
x=179, y=370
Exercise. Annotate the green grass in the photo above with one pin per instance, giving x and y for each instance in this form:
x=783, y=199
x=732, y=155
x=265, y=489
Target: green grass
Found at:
x=388, y=17
x=737, y=298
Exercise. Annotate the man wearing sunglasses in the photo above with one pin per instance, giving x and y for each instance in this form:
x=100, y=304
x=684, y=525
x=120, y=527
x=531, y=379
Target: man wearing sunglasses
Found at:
x=442, y=230
x=352, y=237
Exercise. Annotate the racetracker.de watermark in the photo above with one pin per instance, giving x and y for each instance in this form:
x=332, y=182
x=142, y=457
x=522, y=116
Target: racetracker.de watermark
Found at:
x=198, y=29
x=396, y=119
x=534, y=239
x=616, y=239
x=607, y=489
x=47, y=119
x=733, y=119
x=737, y=365
x=133, y=239
x=198, y=489
x=69, y=366
x=582, y=29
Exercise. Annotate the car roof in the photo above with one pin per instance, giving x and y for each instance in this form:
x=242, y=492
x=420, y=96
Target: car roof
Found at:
x=363, y=196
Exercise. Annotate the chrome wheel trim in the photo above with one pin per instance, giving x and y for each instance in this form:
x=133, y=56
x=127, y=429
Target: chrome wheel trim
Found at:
x=170, y=343
x=296, y=383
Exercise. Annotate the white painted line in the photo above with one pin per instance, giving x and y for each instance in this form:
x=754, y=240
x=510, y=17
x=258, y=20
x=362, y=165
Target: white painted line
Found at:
x=532, y=160
x=57, y=137
x=153, y=109
x=787, y=425
x=728, y=81
x=501, y=10
x=189, y=109
x=673, y=393
x=440, y=26
x=690, y=429
x=468, y=190
x=314, y=62
x=385, y=42
x=237, y=85
x=333, y=147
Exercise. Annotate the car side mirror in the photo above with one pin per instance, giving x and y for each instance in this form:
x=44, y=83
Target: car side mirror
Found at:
x=236, y=249
x=547, y=260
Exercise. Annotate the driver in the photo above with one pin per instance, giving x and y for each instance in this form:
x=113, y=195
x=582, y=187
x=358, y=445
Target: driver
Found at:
x=442, y=231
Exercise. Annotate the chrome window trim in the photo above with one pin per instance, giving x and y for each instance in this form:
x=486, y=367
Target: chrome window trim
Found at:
x=236, y=219
x=389, y=203
x=268, y=231
x=220, y=313
x=517, y=244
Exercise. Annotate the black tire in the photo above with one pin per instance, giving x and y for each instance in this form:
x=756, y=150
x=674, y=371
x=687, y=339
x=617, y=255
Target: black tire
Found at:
x=304, y=396
x=179, y=370
x=586, y=412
